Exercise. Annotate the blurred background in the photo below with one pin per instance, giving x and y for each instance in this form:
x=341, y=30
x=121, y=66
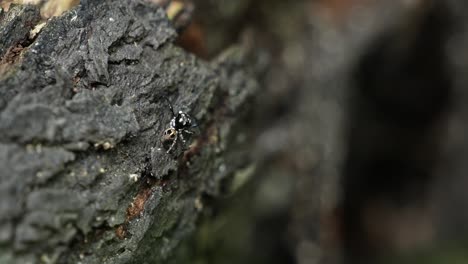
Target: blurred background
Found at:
x=359, y=129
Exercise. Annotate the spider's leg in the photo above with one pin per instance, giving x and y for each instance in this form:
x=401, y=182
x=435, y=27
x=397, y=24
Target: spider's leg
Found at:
x=194, y=125
x=173, y=143
x=182, y=137
x=188, y=131
x=194, y=122
x=170, y=105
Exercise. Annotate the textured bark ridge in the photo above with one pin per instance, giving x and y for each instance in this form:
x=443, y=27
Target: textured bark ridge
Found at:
x=83, y=174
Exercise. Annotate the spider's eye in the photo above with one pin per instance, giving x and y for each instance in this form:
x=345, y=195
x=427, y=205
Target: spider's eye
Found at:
x=172, y=136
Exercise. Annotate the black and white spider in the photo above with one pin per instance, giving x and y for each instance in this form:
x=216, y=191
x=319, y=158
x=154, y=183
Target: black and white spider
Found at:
x=180, y=123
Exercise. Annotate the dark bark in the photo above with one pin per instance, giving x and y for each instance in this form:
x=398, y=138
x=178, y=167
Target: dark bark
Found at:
x=83, y=174
x=359, y=133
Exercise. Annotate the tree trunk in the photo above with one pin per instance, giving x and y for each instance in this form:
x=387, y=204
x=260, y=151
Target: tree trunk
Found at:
x=84, y=177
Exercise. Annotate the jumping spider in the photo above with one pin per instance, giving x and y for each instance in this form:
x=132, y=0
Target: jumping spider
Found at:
x=180, y=123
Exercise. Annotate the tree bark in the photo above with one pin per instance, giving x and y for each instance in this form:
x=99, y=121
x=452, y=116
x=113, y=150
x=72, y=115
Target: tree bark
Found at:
x=84, y=177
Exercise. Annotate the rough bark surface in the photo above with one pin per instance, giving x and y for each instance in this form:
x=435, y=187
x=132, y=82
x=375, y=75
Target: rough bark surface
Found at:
x=83, y=174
